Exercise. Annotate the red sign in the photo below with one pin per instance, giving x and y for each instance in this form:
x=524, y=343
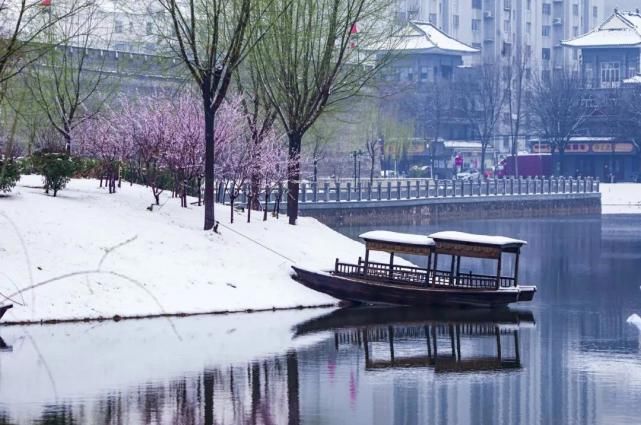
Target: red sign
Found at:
x=458, y=160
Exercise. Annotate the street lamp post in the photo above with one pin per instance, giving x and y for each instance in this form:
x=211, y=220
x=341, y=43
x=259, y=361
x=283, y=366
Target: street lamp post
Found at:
x=357, y=170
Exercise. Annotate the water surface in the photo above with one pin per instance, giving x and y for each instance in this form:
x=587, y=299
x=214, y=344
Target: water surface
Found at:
x=568, y=357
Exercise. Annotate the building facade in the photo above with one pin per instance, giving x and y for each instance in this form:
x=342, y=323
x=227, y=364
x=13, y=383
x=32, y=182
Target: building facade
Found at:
x=504, y=28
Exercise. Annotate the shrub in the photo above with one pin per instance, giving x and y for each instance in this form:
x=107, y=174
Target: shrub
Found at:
x=56, y=169
x=9, y=174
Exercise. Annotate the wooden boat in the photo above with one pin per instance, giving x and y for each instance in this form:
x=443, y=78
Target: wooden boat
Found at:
x=372, y=282
x=4, y=308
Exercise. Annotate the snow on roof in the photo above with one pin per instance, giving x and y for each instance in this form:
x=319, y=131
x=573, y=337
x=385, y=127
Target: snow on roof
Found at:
x=474, y=238
x=620, y=29
x=633, y=80
x=395, y=237
x=461, y=144
x=424, y=37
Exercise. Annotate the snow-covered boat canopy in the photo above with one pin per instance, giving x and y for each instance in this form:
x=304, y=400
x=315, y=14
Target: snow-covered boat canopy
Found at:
x=473, y=245
x=471, y=238
x=396, y=237
x=621, y=29
x=383, y=240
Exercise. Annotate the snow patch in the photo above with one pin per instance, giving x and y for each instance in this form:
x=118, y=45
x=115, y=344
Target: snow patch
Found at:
x=88, y=254
x=620, y=198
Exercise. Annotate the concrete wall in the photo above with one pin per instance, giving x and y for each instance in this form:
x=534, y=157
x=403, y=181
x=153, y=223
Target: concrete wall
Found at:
x=428, y=211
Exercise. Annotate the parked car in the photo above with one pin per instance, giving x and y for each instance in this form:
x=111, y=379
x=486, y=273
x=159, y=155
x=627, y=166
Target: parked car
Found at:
x=468, y=175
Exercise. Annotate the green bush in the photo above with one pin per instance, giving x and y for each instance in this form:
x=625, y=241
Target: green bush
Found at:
x=56, y=169
x=9, y=174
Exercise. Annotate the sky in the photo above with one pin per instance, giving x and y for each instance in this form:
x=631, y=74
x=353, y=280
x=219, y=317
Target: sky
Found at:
x=621, y=4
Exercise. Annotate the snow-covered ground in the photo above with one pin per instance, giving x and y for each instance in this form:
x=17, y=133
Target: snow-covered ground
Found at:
x=104, y=255
x=621, y=198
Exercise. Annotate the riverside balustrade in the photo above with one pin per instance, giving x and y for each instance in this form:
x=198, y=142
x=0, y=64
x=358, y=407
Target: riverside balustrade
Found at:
x=383, y=190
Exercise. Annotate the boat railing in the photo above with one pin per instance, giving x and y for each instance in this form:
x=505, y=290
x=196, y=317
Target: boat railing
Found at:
x=469, y=280
x=419, y=276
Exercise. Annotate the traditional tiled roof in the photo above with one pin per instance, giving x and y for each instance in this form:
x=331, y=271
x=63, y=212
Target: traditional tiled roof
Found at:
x=424, y=37
x=621, y=29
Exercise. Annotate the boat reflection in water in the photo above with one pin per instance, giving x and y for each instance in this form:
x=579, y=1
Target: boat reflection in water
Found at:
x=388, y=337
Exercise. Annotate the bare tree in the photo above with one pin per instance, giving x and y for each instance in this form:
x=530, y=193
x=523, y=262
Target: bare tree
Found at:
x=313, y=57
x=22, y=25
x=516, y=79
x=483, y=99
x=212, y=37
x=558, y=110
x=66, y=83
x=260, y=116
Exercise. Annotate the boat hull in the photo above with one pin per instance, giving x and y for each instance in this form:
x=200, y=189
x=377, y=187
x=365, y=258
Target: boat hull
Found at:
x=3, y=309
x=369, y=292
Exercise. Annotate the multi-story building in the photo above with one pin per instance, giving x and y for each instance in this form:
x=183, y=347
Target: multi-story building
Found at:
x=503, y=28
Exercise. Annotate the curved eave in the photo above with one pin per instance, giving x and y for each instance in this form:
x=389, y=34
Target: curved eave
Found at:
x=599, y=46
x=430, y=51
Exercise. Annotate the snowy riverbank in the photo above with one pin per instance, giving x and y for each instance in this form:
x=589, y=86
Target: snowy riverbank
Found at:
x=105, y=255
x=621, y=198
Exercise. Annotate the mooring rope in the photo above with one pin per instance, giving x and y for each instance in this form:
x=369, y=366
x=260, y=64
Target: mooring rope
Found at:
x=257, y=243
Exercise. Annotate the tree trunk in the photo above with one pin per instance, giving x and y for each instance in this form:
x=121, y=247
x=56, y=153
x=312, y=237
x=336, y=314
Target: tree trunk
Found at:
x=561, y=161
x=483, y=150
x=210, y=218
x=266, y=204
x=293, y=177
x=231, y=203
x=67, y=137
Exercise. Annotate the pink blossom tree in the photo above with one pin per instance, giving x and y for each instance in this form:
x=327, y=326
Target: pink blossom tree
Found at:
x=100, y=139
x=184, y=155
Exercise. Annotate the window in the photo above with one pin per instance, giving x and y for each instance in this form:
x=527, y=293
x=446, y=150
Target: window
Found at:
x=610, y=74
x=595, y=12
x=424, y=73
x=528, y=27
x=455, y=21
x=547, y=9
x=588, y=74
x=545, y=74
x=528, y=50
x=545, y=54
x=575, y=54
x=476, y=46
x=529, y=4
x=507, y=26
x=150, y=28
x=476, y=24
x=575, y=9
x=507, y=4
x=546, y=31
x=118, y=26
x=433, y=18
x=506, y=50
x=477, y=4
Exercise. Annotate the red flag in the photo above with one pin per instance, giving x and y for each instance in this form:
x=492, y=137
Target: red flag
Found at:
x=353, y=32
x=45, y=3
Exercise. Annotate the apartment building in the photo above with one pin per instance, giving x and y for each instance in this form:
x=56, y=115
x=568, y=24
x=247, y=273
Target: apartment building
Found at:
x=503, y=28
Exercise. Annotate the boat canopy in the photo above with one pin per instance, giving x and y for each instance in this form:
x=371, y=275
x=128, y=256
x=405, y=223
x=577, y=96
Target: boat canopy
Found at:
x=383, y=240
x=473, y=245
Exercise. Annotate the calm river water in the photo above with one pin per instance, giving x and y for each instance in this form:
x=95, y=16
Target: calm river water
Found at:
x=570, y=357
